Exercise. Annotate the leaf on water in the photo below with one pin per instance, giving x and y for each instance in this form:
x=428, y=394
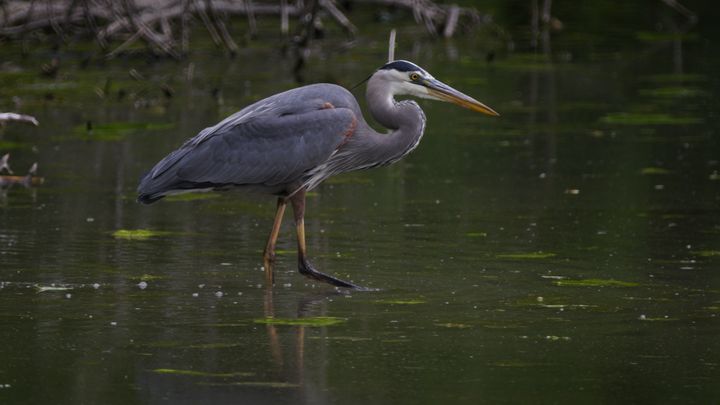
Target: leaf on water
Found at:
x=595, y=282
x=648, y=119
x=312, y=322
x=654, y=171
x=192, y=196
x=138, y=234
x=194, y=373
x=401, y=302
x=528, y=256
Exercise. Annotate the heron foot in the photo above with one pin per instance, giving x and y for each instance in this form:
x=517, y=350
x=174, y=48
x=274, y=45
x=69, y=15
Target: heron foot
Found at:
x=307, y=270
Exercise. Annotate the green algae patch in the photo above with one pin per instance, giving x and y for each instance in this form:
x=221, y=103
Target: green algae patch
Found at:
x=651, y=171
x=648, y=119
x=317, y=321
x=138, y=234
x=476, y=234
x=148, y=277
x=194, y=373
x=527, y=256
x=401, y=302
x=595, y=282
x=708, y=253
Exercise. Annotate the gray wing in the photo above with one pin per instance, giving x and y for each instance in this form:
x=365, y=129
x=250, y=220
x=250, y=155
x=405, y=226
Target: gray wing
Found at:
x=270, y=144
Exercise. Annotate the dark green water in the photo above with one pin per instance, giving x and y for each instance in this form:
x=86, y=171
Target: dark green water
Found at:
x=566, y=252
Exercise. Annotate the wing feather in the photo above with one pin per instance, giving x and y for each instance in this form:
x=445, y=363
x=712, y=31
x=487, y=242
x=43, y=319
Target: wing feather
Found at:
x=271, y=143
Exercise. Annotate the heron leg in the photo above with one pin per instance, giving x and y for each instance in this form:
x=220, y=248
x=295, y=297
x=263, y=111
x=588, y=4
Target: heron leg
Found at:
x=269, y=252
x=304, y=266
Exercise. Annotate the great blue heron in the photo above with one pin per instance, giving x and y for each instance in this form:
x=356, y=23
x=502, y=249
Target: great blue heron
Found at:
x=289, y=143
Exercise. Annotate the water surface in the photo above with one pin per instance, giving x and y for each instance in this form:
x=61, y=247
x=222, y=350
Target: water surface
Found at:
x=566, y=252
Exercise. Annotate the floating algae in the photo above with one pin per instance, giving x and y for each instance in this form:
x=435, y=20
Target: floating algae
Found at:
x=138, y=234
x=654, y=171
x=595, y=282
x=313, y=322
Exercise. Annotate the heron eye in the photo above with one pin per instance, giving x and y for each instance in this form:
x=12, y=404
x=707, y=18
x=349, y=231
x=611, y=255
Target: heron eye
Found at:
x=414, y=77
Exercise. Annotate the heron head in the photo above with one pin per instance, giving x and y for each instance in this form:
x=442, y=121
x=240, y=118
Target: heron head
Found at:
x=406, y=78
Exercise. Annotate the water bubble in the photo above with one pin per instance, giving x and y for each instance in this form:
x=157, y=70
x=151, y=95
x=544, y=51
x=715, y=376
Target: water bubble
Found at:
x=195, y=295
x=201, y=285
x=68, y=295
x=113, y=323
x=142, y=285
x=96, y=286
x=219, y=294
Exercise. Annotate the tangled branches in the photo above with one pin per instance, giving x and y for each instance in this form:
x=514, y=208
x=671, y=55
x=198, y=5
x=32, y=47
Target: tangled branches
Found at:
x=164, y=24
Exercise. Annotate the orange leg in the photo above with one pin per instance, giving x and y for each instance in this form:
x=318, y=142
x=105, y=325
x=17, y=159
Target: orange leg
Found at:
x=269, y=252
x=304, y=266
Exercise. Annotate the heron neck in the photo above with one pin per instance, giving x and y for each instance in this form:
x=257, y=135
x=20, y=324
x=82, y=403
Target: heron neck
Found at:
x=404, y=118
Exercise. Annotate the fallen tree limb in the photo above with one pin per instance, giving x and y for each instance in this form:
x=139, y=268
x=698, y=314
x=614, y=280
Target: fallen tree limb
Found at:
x=7, y=117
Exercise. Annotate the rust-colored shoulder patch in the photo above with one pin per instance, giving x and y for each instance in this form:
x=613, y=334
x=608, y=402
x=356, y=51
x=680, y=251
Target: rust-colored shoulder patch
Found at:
x=327, y=105
x=348, y=133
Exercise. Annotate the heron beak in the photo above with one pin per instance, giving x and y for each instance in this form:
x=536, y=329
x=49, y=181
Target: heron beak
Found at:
x=441, y=91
